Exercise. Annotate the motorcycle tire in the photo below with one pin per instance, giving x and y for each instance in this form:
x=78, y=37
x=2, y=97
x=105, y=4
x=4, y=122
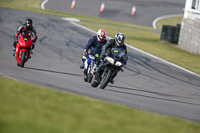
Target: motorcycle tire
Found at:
x=94, y=83
x=85, y=79
x=89, y=77
x=106, y=79
x=23, y=58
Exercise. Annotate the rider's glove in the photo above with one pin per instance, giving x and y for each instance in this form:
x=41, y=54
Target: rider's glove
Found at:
x=16, y=36
x=85, y=52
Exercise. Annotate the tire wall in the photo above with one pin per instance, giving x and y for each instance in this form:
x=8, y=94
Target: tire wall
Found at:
x=170, y=34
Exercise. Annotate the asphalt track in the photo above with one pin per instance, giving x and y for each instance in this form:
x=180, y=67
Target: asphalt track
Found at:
x=120, y=10
x=146, y=83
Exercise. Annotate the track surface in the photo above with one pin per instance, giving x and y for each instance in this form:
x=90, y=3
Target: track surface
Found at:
x=120, y=10
x=146, y=83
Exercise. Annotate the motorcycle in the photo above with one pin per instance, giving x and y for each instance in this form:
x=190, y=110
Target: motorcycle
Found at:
x=89, y=63
x=23, y=49
x=110, y=66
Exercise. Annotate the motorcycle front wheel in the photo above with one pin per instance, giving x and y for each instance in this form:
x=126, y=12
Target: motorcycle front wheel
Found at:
x=23, y=59
x=94, y=83
x=105, y=79
x=90, y=75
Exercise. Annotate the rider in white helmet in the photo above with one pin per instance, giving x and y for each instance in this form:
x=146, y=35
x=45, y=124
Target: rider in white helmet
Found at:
x=96, y=42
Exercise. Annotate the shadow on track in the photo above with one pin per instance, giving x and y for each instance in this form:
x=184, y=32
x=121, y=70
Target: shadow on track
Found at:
x=38, y=69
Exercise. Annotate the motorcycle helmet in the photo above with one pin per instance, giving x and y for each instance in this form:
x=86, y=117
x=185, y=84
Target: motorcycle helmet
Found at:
x=28, y=22
x=119, y=39
x=101, y=35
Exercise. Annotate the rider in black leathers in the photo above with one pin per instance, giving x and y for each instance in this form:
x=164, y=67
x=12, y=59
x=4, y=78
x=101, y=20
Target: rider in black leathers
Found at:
x=26, y=28
x=118, y=42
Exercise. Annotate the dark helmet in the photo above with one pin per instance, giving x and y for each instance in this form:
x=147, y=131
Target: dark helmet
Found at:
x=28, y=21
x=119, y=39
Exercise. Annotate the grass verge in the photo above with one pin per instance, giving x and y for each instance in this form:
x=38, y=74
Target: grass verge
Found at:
x=173, y=21
x=29, y=109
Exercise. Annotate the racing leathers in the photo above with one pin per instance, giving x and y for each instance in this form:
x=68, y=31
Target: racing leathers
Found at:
x=93, y=45
x=106, y=49
x=25, y=29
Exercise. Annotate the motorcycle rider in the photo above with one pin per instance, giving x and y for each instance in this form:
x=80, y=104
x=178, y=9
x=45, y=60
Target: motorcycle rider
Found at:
x=95, y=42
x=27, y=27
x=118, y=42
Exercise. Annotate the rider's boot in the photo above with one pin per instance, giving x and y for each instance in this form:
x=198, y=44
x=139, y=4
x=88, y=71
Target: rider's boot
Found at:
x=113, y=76
x=82, y=66
x=33, y=46
x=31, y=53
x=112, y=81
x=83, y=60
x=13, y=51
x=14, y=47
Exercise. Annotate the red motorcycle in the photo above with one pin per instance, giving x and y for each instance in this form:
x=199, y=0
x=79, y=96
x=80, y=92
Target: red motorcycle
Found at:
x=23, y=49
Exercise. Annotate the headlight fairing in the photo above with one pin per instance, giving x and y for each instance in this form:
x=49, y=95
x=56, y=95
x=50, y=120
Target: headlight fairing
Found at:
x=111, y=60
x=91, y=57
x=118, y=63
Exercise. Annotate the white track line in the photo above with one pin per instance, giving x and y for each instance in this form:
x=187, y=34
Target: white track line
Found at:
x=43, y=3
x=162, y=17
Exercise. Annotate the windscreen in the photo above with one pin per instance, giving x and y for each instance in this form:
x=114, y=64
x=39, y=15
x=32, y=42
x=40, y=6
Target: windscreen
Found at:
x=117, y=53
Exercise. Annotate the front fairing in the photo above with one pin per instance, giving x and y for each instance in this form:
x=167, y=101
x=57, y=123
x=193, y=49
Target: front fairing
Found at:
x=24, y=41
x=117, y=54
x=90, y=58
x=115, y=58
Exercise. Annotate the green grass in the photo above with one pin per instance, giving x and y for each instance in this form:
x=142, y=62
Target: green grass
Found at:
x=26, y=108
x=173, y=21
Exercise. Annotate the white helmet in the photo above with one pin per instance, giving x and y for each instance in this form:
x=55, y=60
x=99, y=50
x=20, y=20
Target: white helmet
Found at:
x=101, y=35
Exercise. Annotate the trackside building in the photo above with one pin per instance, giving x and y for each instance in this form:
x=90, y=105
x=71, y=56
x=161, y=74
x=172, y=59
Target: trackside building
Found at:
x=189, y=38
